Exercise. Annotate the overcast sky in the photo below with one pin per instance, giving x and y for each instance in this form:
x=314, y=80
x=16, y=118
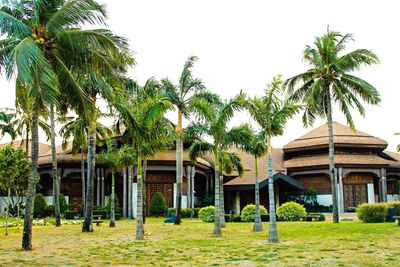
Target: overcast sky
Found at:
x=242, y=44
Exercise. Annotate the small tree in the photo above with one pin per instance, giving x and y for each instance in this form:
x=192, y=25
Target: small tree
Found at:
x=14, y=173
x=158, y=205
x=39, y=205
x=63, y=203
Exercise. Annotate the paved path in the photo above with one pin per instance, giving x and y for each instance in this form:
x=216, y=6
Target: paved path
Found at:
x=343, y=216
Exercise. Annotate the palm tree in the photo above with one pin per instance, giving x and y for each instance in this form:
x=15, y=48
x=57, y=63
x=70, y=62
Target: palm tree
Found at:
x=44, y=46
x=329, y=82
x=6, y=125
x=215, y=127
x=272, y=113
x=145, y=126
x=258, y=148
x=190, y=89
x=77, y=129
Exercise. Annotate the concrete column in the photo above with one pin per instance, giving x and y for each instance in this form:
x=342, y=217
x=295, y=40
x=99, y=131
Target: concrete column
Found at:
x=340, y=190
x=130, y=179
x=237, y=202
x=98, y=187
x=192, y=187
x=207, y=183
x=124, y=191
x=371, y=193
x=174, y=195
x=102, y=187
x=134, y=198
x=188, y=186
x=383, y=186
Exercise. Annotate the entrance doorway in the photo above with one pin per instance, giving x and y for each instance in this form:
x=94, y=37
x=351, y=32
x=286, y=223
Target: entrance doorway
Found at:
x=164, y=189
x=354, y=195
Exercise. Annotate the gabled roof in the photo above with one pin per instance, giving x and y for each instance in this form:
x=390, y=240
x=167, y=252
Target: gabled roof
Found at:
x=343, y=136
x=44, y=149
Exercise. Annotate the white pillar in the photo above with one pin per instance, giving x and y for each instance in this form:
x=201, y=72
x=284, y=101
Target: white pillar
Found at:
x=383, y=186
x=237, y=202
x=130, y=172
x=102, y=187
x=134, y=198
x=174, y=195
x=340, y=190
x=192, y=187
x=98, y=187
x=188, y=186
x=124, y=192
x=371, y=193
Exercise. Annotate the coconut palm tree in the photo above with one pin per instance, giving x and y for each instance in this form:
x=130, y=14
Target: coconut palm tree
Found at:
x=45, y=48
x=77, y=128
x=216, y=118
x=6, y=125
x=272, y=113
x=258, y=148
x=330, y=82
x=182, y=96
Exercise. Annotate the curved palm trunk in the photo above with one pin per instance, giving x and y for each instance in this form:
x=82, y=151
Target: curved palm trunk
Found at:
x=87, y=223
x=179, y=168
x=217, y=222
x=54, y=168
x=112, y=215
x=144, y=190
x=27, y=232
x=273, y=229
x=139, y=207
x=257, y=227
x=335, y=213
x=221, y=200
x=83, y=184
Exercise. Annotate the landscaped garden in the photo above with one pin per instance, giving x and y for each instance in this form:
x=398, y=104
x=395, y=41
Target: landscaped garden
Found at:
x=301, y=243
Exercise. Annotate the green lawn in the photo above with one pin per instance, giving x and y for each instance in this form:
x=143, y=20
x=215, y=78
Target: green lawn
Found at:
x=191, y=244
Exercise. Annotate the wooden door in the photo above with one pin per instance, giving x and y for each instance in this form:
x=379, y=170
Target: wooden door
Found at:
x=354, y=195
x=164, y=189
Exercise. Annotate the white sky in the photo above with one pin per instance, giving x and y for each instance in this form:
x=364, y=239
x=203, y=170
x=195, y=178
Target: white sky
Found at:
x=242, y=44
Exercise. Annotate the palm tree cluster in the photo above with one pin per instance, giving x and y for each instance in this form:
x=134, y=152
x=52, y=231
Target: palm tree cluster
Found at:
x=64, y=59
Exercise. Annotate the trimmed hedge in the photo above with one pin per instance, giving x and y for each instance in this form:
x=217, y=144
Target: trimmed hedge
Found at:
x=158, y=206
x=39, y=206
x=207, y=214
x=185, y=212
x=249, y=212
x=291, y=211
x=372, y=213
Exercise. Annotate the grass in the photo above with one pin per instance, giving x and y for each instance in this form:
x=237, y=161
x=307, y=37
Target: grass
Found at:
x=191, y=244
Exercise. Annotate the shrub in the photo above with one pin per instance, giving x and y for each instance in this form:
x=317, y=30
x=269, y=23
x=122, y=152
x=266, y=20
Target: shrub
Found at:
x=170, y=211
x=187, y=213
x=39, y=205
x=63, y=203
x=196, y=212
x=395, y=205
x=291, y=211
x=71, y=214
x=157, y=204
x=207, y=214
x=235, y=218
x=321, y=216
x=370, y=213
x=249, y=212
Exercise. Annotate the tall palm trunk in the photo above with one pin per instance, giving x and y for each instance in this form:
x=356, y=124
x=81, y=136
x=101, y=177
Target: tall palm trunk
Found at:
x=221, y=200
x=332, y=173
x=112, y=215
x=217, y=222
x=139, y=207
x=144, y=190
x=273, y=229
x=27, y=142
x=83, y=183
x=257, y=227
x=179, y=168
x=91, y=156
x=27, y=233
x=54, y=168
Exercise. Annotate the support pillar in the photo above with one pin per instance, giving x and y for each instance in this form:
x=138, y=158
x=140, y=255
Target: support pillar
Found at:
x=383, y=186
x=124, y=190
x=192, y=187
x=340, y=191
x=130, y=173
x=98, y=187
x=207, y=183
x=188, y=186
x=102, y=187
x=237, y=203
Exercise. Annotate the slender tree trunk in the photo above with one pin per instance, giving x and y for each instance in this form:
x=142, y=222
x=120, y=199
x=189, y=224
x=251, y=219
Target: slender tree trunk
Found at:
x=217, y=232
x=221, y=200
x=144, y=190
x=112, y=219
x=18, y=202
x=83, y=184
x=27, y=232
x=179, y=168
x=54, y=168
x=27, y=142
x=273, y=229
x=335, y=213
x=130, y=173
x=139, y=208
x=91, y=156
x=257, y=227
x=7, y=209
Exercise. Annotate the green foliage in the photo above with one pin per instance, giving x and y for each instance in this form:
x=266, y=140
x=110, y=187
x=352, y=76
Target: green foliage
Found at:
x=71, y=214
x=291, y=211
x=196, y=212
x=372, y=213
x=185, y=212
x=235, y=218
x=395, y=205
x=248, y=213
x=321, y=216
x=63, y=203
x=14, y=170
x=207, y=214
x=39, y=205
x=158, y=205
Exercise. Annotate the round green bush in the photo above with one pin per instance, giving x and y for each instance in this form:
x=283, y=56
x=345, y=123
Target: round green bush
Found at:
x=207, y=214
x=157, y=204
x=291, y=211
x=372, y=213
x=63, y=203
x=249, y=212
x=39, y=205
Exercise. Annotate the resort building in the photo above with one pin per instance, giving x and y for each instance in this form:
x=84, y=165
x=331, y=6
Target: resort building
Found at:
x=365, y=171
